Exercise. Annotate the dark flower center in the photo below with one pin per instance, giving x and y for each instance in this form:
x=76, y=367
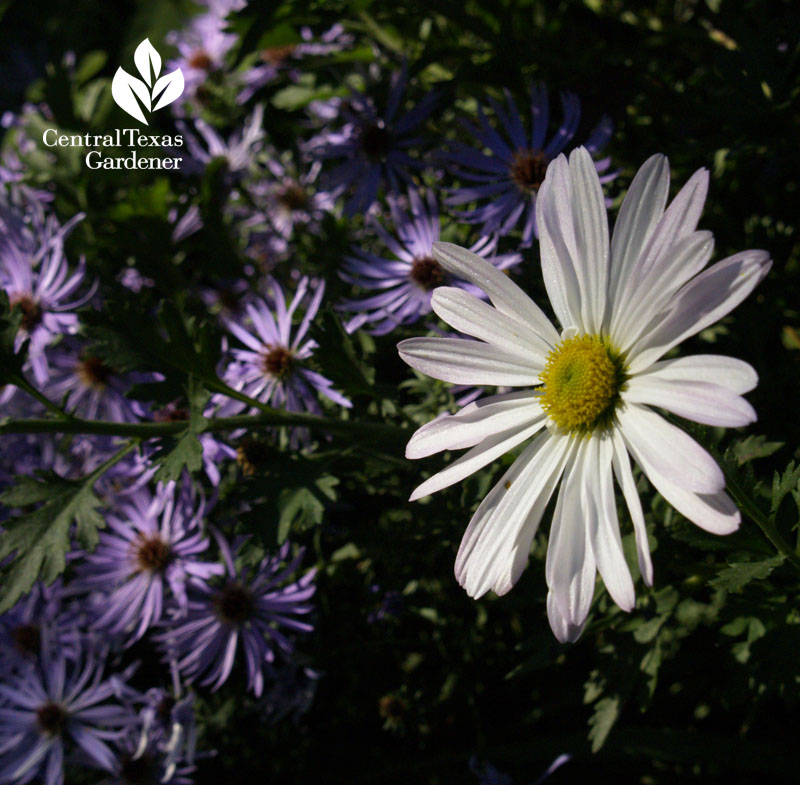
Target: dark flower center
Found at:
x=251, y=455
x=426, y=272
x=139, y=771
x=278, y=362
x=293, y=197
x=277, y=55
x=391, y=707
x=528, y=168
x=200, y=59
x=93, y=372
x=31, y=311
x=152, y=554
x=234, y=604
x=376, y=141
x=27, y=638
x=51, y=718
x=165, y=707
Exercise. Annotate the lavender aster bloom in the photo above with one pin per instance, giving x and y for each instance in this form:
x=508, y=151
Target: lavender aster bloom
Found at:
x=271, y=368
x=93, y=389
x=35, y=275
x=280, y=59
x=141, y=760
x=153, y=545
x=248, y=610
x=374, y=145
x=202, y=47
x=60, y=703
x=239, y=151
x=170, y=720
x=40, y=616
x=293, y=199
x=406, y=282
x=505, y=182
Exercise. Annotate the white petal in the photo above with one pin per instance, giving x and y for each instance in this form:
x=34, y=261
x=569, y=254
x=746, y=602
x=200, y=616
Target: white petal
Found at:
x=557, y=246
x=624, y=475
x=661, y=447
x=462, y=361
x=474, y=423
x=702, y=402
x=652, y=292
x=701, y=302
x=735, y=375
x=679, y=220
x=641, y=210
x=714, y=512
x=603, y=525
x=590, y=224
x=487, y=451
x=570, y=567
x=466, y=313
x=505, y=295
x=495, y=546
x=559, y=624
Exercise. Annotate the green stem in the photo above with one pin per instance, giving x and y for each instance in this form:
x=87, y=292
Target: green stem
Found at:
x=26, y=386
x=749, y=506
x=149, y=430
x=115, y=458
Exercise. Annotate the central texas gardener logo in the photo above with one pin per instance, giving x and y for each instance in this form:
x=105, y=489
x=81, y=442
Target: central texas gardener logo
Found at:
x=132, y=94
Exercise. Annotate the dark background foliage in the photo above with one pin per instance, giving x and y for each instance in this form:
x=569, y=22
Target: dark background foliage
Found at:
x=700, y=682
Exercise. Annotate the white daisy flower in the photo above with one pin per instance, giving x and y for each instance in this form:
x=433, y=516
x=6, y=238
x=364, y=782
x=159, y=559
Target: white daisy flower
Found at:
x=588, y=390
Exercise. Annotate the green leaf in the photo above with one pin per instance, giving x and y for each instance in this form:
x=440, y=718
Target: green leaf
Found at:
x=38, y=541
x=784, y=484
x=606, y=712
x=187, y=452
x=302, y=508
x=754, y=447
x=739, y=574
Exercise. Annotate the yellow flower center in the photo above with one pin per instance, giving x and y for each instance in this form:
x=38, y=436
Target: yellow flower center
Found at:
x=582, y=380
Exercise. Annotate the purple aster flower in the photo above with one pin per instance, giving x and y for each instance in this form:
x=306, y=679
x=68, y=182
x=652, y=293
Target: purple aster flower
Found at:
x=132, y=279
x=239, y=151
x=373, y=145
x=36, y=277
x=247, y=611
x=505, y=181
x=202, y=47
x=405, y=282
x=92, y=389
x=280, y=59
x=272, y=368
x=169, y=718
x=292, y=199
x=49, y=710
x=228, y=297
x=139, y=759
x=153, y=546
x=264, y=246
x=185, y=226
x=39, y=617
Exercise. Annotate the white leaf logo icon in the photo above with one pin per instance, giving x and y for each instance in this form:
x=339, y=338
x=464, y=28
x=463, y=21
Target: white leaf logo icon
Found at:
x=146, y=56
x=172, y=85
x=125, y=89
x=131, y=94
